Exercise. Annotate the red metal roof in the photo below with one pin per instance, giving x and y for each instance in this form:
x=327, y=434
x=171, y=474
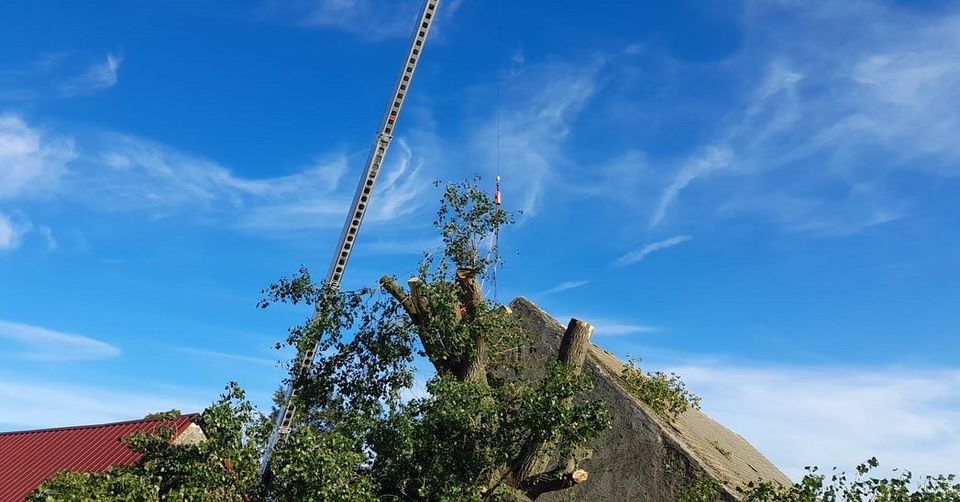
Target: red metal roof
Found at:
x=28, y=458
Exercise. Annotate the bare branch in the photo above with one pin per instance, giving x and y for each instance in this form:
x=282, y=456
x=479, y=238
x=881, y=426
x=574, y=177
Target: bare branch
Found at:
x=390, y=285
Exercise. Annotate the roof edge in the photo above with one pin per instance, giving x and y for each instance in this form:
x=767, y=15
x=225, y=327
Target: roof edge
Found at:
x=190, y=416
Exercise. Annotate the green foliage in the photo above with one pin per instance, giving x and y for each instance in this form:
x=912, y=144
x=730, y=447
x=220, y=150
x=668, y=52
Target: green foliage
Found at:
x=453, y=443
x=467, y=216
x=222, y=468
x=123, y=484
x=163, y=415
x=356, y=437
x=704, y=489
x=665, y=393
x=814, y=487
x=477, y=428
x=314, y=466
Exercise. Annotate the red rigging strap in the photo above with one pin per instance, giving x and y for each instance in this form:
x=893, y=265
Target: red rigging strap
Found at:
x=361, y=200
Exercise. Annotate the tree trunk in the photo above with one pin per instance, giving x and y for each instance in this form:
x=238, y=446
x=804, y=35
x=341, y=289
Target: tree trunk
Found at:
x=573, y=352
x=474, y=367
x=575, y=344
x=418, y=309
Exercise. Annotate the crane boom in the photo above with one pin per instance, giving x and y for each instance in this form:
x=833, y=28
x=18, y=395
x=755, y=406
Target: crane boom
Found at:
x=361, y=200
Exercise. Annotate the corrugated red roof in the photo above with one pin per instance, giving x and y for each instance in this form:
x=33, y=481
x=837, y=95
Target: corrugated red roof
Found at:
x=28, y=458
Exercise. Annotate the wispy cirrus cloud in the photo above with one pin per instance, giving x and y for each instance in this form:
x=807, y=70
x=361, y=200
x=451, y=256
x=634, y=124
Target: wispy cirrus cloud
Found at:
x=528, y=139
x=124, y=173
x=32, y=161
x=367, y=18
x=227, y=356
x=563, y=286
x=820, y=117
x=372, y=20
x=711, y=159
x=59, y=75
x=606, y=327
x=36, y=343
x=646, y=250
x=10, y=233
x=97, y=77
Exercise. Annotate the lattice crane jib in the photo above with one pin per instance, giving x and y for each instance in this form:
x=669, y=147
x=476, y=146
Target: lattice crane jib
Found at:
x=361, y=201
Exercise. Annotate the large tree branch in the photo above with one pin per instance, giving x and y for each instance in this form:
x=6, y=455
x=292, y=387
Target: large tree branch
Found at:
x=390, y=285
x=551, y=481
x=417, y=307
x=474, y=367
x=468, y=291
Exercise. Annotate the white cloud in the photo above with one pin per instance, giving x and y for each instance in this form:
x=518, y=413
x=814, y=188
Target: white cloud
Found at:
x=118, y=172
x=833, y=96
x=852, y=209
x=640, y=254
x=10, y=233
x=31, y=161
x=59, y=74
x=564, y=286
x=837, y=417
x=29, y=404
x=528, y=139
x=228, y=356
x=15, y=226
x=368, y=19
x=604, y=327
x=313, y=205
x=97, y=77
x=611, y=327
x=47, y=234
x=125, y=172
x=400, y=188
x=711, y=159
x=131, y=173
x=42, y=344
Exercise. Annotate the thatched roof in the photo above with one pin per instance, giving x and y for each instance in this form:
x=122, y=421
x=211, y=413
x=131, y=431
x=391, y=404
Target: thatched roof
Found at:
x=642, y=456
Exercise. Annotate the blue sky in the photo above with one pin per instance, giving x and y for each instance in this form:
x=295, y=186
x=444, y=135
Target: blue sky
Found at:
x=761, y=194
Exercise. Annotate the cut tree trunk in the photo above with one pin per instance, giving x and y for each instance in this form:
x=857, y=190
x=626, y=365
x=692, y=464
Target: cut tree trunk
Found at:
x=552, y=481
x=474, y=367
x=573, y=353
x=575, y=344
